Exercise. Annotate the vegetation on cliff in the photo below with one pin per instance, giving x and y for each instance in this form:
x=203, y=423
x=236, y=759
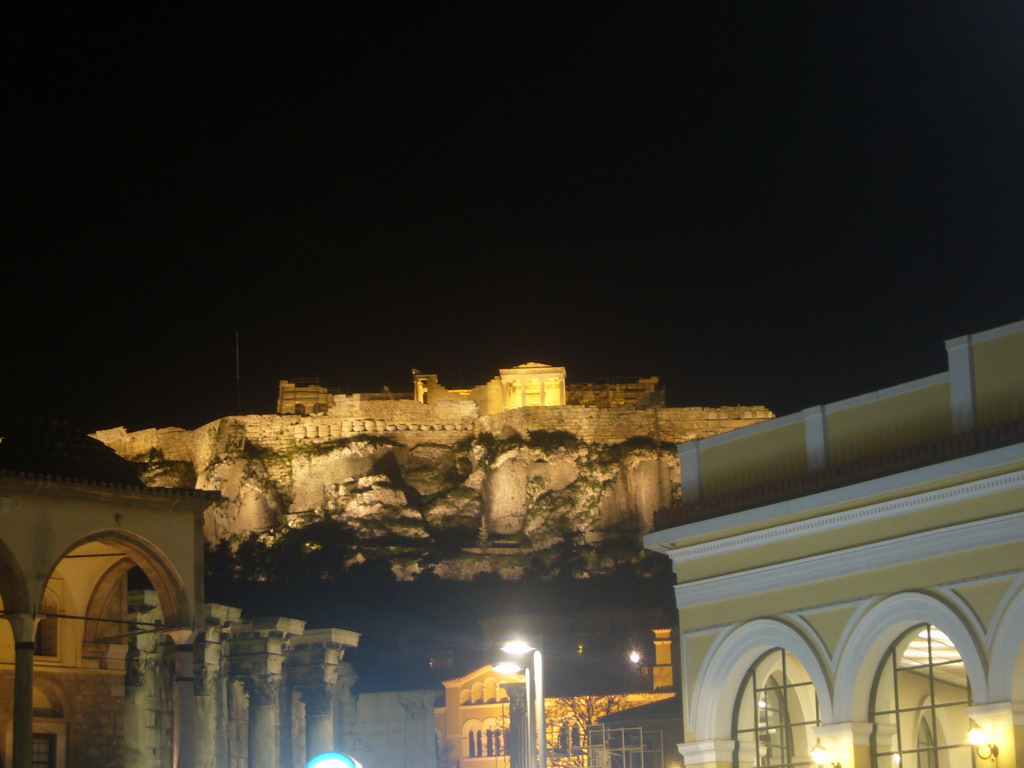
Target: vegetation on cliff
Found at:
x=542, y=504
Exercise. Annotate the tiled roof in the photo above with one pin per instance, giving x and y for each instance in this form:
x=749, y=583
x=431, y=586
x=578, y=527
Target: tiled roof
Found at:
x=53, y=448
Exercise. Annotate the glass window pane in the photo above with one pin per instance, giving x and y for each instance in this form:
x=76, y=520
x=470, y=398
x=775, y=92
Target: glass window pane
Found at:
x=919, y=710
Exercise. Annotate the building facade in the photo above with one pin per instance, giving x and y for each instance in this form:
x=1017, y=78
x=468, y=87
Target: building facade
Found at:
x=111, y=658
x=851, y=577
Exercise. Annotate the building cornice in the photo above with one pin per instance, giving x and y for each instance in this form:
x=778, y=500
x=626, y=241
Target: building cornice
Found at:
x=897, y=551
x=996, y=461
x=850, y=517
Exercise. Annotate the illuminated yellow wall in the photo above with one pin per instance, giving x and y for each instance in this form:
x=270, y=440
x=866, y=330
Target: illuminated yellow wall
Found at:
x=998, y=377
x=888, y=423
x=753, y=459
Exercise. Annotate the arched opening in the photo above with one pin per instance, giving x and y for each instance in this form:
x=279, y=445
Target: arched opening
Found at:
x=48, y=628
x=103, y=558
x=13, y=589
x=775, y=714
x=921, y=693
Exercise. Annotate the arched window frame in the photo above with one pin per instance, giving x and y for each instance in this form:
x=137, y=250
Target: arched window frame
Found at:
x=772, y=679
x=890, y=744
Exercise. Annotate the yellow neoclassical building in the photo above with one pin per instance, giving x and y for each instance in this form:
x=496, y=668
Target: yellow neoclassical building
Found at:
x=851, y=577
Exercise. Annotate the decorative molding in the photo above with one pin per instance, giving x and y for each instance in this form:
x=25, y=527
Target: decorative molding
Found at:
x=262, y=689
x=318, y=699
x=846, y=562
x=709, y=751
x=850, y=517
x=857, y=734
x=664, y=540
x=870, y=633
x=727, y=661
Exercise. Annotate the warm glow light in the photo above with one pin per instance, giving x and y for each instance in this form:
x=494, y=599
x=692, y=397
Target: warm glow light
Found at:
x=517, y=647
x=634, y=657
x=762, y=704
x=976, y=735
x=896, y=758
x=819, y=754
x=333, y=760
x=507, y=668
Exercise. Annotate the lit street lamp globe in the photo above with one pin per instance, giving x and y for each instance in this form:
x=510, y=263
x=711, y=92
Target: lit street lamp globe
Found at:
x=333, y=760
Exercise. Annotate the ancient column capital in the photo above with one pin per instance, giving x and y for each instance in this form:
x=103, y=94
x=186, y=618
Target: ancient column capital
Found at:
x=318, y=699
x=516, y=694
x=262, y=689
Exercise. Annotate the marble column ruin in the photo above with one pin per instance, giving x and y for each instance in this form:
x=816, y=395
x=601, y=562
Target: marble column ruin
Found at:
x=312, y=670
x=256, y=658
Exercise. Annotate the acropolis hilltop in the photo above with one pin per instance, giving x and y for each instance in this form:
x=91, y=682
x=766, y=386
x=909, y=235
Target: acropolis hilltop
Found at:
x=512, y=466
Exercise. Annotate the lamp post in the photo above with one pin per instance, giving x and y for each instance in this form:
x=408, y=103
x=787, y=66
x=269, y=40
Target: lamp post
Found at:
x=522, y=648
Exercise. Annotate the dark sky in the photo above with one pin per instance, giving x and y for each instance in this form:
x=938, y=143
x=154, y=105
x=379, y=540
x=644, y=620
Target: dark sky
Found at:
x=764, y=203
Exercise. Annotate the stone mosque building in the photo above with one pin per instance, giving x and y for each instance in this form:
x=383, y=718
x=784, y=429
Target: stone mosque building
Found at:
x=109, y=656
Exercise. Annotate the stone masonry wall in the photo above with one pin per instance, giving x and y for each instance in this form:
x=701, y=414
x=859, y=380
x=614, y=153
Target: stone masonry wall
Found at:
x=92, y=706
x=613, y=425
x=411, y=423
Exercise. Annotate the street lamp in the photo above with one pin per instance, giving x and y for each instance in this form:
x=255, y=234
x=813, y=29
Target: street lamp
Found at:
x=521, y=648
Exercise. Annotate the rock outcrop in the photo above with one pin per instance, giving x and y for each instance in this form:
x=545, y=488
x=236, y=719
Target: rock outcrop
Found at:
x=456, y=500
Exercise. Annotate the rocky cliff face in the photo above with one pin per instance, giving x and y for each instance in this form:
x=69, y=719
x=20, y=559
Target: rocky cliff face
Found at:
x=455, y=500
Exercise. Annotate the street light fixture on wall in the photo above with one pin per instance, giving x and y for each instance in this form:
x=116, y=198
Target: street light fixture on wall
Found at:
x=523, y=648
x=978, y=739
x=820, y=755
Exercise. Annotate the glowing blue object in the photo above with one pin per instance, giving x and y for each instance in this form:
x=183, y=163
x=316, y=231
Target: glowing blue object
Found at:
x=333, y=760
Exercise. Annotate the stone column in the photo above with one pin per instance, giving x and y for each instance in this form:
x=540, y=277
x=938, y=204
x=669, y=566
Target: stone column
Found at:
x=207, y=715
x=256, y=659
x=518, y=739
x=211, y=696
x=184, y=698
x=344, y=707
x=263, y=691
x=319, y=720
x=24, y=627
x=312, y=669
x=141, y=684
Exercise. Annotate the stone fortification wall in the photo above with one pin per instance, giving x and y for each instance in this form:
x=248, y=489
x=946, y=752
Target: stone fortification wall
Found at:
x=412, y=423
x=174, y=443
x=405, y=410
x=613, y=425
x=399, y=472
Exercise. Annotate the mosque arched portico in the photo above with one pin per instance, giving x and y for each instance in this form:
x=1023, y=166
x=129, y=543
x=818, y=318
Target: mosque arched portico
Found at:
x=65, y=559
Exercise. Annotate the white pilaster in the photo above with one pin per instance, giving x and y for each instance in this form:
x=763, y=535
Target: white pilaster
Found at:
x=815, y=437
x=689, y=469
x=961, y=383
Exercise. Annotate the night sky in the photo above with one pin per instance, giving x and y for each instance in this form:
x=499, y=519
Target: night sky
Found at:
x=763, y=203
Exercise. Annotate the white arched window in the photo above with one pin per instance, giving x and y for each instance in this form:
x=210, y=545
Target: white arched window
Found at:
x=775, y=713
x=919, y=703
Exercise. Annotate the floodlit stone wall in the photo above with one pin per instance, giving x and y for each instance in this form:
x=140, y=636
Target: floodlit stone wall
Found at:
x=613, y=425
x=394, y=728
x=412, y=470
